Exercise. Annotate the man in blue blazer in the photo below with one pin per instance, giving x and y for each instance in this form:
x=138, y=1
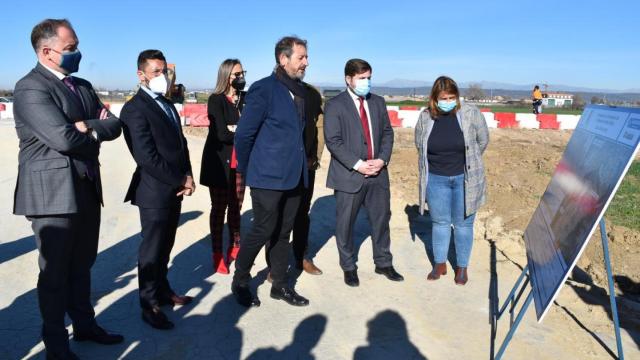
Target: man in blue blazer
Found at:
x=271, y=157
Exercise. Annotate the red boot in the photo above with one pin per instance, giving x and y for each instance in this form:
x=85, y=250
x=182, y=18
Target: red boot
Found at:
x=219, y=266
x=232, y=253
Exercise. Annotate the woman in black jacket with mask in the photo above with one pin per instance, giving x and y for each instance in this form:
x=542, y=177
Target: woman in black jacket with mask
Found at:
x=226, y=186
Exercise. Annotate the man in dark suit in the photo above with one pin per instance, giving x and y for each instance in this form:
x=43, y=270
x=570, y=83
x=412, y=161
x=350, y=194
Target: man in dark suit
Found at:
x=60, y=123
x=270, y=151
x=163, y=175
x=359, y=137
x=313, y=148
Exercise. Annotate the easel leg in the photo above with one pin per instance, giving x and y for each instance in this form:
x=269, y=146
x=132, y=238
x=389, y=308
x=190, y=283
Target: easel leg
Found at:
x=513, y=328
x=612, y=294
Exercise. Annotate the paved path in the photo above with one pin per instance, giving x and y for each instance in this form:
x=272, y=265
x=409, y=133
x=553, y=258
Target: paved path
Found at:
x=379, y=320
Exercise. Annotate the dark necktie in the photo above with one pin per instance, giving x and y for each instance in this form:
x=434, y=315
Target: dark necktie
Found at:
x=68, y=81
x=167, y=109
x=365, y=128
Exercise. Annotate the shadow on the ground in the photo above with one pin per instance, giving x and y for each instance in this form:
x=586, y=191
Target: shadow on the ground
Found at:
x=387, y=338
x=12, y=249
x=323, y=226
x=593, y=294
x=494, y=300
x=590, y=294
x=420, y=226
x=305, y=337
x=114, y=269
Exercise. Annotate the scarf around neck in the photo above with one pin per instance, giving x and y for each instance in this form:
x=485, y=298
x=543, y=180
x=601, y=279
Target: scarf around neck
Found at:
x=296, y=88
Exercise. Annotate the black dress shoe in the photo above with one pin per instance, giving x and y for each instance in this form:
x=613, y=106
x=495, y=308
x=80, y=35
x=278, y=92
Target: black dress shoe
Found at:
x=175, y=299
x=289, y=295
x=156, y=318
x=98, y=335
x=390, y=273
x=351, y=278
x=244, y=296
x=63, y=355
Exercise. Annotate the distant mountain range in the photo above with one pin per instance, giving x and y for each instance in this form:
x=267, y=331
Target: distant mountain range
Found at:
x=488, y=85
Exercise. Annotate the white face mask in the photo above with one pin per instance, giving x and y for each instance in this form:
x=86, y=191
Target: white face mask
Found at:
x=159, y=84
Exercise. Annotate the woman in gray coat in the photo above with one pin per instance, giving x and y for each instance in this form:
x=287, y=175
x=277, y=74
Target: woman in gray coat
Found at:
x=451, y=138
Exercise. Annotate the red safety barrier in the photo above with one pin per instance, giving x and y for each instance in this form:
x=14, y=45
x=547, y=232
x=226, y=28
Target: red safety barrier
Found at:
x=485, y=110
x=196, y=114
x=395, y=120
x=506, y=120
x=409, y=108
x=3, y=107
x=548, y=121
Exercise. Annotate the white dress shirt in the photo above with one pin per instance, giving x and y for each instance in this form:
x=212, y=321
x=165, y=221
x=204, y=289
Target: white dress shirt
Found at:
x=356, y=100
x=57, y=73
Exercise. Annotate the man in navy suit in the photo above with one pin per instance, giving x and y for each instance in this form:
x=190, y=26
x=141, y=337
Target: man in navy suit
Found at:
x=271, y=157
x=163, y=175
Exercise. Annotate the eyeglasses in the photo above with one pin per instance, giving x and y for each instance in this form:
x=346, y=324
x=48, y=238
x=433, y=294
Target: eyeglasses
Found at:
x=239, y=73
x=157, y=72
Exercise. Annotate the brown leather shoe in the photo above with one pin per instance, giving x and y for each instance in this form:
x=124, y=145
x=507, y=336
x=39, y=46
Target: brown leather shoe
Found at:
x=310, y=268
x=461, y=276
x=438, y=270
x=156, y=318
x=175, y=299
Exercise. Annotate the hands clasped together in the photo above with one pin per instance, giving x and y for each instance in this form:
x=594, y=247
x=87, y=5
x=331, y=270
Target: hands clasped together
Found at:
x=371, y=167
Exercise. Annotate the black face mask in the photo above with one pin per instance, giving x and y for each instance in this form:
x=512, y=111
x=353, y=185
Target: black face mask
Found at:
x=238, y=83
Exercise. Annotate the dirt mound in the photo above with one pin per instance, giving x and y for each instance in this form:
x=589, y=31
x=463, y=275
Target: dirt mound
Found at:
x=519, y=164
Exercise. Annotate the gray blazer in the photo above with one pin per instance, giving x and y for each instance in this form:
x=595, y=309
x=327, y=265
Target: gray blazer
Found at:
x=346, y=143
x=476, y=138
x=52, y=150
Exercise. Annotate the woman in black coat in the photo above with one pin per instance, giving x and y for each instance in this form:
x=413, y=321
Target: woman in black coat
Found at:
x=226, y=186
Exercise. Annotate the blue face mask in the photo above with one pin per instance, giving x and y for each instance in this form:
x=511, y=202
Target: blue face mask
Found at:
x=447, y=106
x=70, y=61
x=363, y=86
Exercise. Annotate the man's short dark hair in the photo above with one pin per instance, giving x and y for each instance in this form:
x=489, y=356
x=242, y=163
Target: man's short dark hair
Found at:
x=149, y=55
x=47, y=29
x=356, y=66
x=286, y=44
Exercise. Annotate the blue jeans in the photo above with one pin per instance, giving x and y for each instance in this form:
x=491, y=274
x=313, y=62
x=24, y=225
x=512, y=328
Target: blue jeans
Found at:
x=445, y=196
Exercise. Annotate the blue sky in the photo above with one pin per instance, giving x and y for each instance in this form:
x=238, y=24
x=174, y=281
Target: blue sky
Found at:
x=592, y=44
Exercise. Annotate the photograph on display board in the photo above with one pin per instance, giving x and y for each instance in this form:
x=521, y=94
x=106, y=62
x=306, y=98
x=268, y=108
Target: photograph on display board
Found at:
x=583, y=183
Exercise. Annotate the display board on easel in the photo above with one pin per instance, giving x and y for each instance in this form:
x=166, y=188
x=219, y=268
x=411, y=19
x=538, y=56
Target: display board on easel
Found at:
x=596, y=159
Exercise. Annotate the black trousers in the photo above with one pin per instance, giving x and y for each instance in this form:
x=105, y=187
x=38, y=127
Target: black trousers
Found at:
x=374, y=196
x=301, y=223
x=159, y=228
x=274, y=212
x=68, y=246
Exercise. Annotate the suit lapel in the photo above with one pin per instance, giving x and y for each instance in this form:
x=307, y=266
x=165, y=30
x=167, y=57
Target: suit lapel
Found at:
x=85, y=98
x=354, y=111
x=74, y=104
x=153, y=105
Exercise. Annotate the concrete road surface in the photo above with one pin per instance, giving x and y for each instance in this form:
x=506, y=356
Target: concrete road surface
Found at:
x=414, y=319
